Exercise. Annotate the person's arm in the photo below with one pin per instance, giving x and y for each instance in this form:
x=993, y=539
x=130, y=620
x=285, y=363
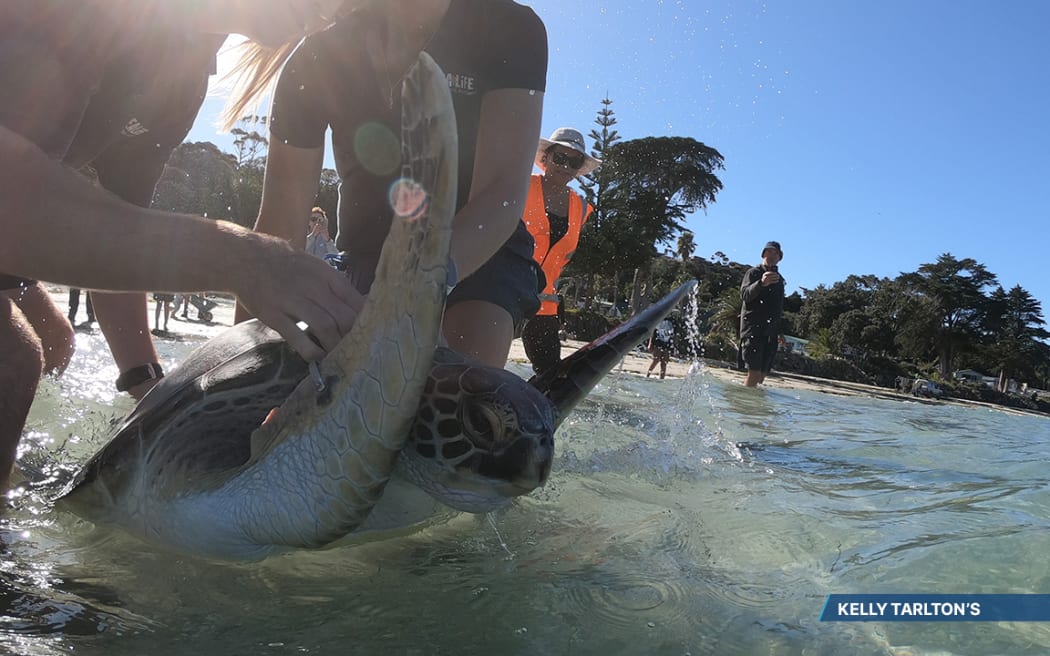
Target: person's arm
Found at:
x=109, y=244
x=289, y=187
x=751, y=287
x=507, y=137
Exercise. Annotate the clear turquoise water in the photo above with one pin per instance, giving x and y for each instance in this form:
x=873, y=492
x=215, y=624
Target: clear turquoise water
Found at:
x=657, y=534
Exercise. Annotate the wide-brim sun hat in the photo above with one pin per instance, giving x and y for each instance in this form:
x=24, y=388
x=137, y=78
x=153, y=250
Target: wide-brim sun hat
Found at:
x=569, y=138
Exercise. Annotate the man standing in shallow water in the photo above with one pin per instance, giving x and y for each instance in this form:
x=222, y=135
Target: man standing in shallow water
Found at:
x=762, y=293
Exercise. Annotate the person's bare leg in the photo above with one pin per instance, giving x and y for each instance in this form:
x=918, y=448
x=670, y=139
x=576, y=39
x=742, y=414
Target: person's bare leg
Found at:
x=481, y=330
x=52, y=327
x=124, y=320
x=754, y=378
x=21, y=365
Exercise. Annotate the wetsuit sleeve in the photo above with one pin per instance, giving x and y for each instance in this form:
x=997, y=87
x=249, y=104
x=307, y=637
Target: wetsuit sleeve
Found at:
x=751, y=287
x=518, y=43
x=296, y=115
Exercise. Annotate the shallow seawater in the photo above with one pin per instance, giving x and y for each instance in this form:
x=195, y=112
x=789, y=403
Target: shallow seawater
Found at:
x=682, y=517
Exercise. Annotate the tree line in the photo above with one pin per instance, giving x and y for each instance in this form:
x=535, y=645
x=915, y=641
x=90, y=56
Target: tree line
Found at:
x=946, y=315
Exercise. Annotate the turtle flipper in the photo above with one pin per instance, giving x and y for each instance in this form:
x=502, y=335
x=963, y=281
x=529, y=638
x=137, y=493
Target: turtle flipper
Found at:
x=575, y=376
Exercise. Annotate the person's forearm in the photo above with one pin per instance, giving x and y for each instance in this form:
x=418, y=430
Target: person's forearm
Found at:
x=507, y=136
x=62, y=229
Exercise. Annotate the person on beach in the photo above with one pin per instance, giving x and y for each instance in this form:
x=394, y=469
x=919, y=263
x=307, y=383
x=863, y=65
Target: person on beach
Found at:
x=660, y=345
x=74, y=305
x=162, y=309
x=94, y=82
x=762, y=293
x=318, y=243
x=554, y=215
x=347, y=78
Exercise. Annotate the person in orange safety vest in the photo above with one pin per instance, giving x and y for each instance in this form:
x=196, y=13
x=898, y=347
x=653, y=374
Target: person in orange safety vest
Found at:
x=555, y=215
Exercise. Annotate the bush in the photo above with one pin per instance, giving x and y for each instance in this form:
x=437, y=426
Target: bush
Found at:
x=885, y=371
x=833, y=368
x=586, y=325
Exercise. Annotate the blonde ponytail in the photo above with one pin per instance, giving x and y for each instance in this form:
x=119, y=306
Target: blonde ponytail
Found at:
x=252, y=77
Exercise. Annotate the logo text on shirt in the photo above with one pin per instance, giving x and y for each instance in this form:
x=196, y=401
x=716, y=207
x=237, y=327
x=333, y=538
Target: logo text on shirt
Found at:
x=463, y=84
x=134, y=128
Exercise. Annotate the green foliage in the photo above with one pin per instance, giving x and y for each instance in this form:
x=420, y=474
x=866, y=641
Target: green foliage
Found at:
x=641, y=194
x=822, y=345
x=199, y=179
x=686, y=245
x=953, y=294
x=586, y=325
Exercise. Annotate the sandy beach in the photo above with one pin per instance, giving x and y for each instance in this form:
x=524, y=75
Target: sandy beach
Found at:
x=636, y=362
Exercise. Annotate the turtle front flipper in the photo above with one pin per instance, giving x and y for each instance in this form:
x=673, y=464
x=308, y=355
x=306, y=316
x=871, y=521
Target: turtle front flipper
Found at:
x=575, y=376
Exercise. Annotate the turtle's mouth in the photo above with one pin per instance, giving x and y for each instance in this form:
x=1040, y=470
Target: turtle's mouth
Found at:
x=461, y=489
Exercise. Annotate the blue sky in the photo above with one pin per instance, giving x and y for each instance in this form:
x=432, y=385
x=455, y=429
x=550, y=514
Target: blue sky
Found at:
x=867, y=137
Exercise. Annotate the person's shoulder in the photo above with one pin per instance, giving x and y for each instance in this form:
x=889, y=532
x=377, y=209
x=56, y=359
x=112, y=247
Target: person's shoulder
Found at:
x=505, y=15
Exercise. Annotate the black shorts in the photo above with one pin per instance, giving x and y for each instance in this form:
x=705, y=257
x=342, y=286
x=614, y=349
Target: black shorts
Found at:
x=8, y=282
x=507, y=280
x=757, y=353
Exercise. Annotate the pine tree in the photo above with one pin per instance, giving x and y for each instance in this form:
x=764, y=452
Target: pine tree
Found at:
x=594, y=184
x=588, y=257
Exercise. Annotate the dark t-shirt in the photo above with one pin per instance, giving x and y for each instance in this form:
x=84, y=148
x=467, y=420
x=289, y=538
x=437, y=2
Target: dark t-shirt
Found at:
x=559, y=227
x=481, y=45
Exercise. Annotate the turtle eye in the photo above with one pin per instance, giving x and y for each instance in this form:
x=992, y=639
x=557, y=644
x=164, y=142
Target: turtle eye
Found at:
x=481, y=425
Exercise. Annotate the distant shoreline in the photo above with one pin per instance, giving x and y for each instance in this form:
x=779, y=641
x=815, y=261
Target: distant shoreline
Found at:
x=638, y=364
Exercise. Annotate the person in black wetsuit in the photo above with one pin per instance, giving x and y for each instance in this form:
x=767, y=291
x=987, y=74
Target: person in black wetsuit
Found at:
x=118, y=84
x=347, y=78
x=762, y=292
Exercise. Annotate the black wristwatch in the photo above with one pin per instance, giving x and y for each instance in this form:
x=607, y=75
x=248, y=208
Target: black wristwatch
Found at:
x=138, y=375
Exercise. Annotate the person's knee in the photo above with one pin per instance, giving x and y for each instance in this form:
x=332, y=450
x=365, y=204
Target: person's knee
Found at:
x=58, y=347
x=481, y=330
x=20, y=347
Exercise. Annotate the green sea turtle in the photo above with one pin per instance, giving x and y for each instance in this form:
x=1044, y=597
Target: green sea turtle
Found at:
x=195, y=468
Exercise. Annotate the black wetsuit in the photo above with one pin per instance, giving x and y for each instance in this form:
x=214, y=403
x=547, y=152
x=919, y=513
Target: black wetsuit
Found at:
x=133, y=87
x=760, y=316
x=482, y=46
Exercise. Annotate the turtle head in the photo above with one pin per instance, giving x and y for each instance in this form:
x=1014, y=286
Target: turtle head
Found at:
x=481, y=437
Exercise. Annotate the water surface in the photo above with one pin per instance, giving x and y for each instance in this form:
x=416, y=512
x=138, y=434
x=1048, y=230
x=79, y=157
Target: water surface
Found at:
x=682, y=517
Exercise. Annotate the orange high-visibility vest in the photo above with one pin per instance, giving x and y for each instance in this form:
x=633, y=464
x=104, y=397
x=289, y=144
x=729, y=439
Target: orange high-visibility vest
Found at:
x=552, y=259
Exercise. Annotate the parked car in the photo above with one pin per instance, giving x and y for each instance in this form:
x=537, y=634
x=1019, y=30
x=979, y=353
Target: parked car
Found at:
x=927, y=388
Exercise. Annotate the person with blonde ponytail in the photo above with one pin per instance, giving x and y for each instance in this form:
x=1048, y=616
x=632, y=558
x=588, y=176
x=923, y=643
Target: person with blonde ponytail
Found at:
x=347, y=78
x=117, y=84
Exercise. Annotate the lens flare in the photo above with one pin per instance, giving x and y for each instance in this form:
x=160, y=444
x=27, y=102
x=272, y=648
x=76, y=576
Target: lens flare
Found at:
x=408, y=199
x=377, y=148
